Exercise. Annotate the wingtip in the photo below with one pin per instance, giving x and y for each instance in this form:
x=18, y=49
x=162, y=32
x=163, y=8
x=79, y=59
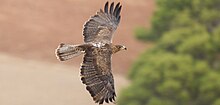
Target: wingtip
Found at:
x=106, y=7
x=107, y=2
x=117, y=12
x=118, y=3
x=111, y=8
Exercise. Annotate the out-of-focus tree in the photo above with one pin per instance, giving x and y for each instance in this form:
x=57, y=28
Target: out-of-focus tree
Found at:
x=205, y=12
x=183, y=68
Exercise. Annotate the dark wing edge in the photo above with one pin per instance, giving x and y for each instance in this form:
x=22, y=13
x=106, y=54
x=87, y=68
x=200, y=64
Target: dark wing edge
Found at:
x=100, y=85
x=105, y=20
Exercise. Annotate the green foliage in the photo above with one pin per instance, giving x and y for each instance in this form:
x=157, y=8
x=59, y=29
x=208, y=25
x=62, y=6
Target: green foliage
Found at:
x=217, y=102
x=171, y=79
x=141, y=33
x=184, y=66
x=205, y=12
x=164, y=15
x=194, y=40
x=216, y=38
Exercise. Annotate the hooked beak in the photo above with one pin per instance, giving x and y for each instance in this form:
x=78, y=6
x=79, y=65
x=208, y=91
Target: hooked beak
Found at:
x=124, y=48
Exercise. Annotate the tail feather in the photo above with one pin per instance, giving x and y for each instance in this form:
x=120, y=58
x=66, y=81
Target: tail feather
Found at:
x=65, y=52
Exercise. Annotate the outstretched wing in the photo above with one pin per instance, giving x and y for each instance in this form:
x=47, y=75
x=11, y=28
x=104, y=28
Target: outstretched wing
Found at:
x=100, y=27
x=96, y=75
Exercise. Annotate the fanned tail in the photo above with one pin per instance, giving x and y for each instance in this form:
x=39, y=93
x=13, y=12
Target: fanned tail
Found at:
x=65, y=52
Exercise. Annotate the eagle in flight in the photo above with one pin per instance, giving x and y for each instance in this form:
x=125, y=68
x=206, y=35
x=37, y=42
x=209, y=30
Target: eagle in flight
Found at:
x=96, y=72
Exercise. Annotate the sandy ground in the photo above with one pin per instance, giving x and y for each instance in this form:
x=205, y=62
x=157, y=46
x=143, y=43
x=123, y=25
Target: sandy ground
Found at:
x=32, y=29
x=28, y=82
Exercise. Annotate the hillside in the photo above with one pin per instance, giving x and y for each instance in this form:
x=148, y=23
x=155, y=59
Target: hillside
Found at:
x=33, y=29
x=28, y=82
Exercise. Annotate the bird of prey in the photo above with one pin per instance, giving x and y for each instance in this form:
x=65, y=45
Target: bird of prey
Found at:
x=95, y=71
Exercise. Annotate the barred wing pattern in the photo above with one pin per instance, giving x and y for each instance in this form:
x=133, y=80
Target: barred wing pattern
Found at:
x=96, y=74
x=96, y=71
x=100, y=27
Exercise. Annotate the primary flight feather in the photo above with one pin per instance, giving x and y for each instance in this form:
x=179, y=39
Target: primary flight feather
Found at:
x=96, y=72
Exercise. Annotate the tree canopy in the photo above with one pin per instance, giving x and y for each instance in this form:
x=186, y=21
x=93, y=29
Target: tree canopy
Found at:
x=183, y=68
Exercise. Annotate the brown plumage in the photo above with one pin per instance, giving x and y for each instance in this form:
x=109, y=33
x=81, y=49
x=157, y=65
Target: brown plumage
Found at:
x=96, y=72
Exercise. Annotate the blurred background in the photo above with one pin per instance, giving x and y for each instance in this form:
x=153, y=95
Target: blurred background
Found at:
x=173, y=55
x=31, y=30
x=182, y=67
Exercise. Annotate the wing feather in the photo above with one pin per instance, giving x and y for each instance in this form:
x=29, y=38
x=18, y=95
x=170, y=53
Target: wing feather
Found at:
x=111, y=8
x=100, y=27
x=116, y=8
x=118, y=12
x=106, y=7
x=96, y=74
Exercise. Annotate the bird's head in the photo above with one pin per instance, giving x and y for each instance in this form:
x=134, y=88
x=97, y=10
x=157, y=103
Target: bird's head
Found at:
x=123, y=48
x=120, y=47
x=117, y=48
